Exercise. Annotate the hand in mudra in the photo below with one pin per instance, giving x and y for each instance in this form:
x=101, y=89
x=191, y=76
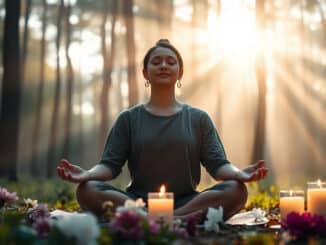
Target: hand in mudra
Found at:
x=71, y=172
x=254, y=172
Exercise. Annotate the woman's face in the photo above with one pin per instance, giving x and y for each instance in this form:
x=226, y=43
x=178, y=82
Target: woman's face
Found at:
x=163, y=67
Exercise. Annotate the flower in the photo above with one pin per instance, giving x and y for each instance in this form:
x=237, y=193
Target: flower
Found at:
x=259, y=214
x=302, y=226
x=6, y=196
x=128, y=224
x=181, y=232
x=214, y=218
x=191, y=223
x=137, y=206
x=30, y=203
x=40, y=211
x=81, y=226
x=42, y=226
x=154, y=228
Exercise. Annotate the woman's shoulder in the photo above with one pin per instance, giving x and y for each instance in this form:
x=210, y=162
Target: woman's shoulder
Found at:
x=195, y=110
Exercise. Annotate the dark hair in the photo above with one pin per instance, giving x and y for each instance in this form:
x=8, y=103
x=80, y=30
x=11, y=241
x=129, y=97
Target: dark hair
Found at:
x=164, y=43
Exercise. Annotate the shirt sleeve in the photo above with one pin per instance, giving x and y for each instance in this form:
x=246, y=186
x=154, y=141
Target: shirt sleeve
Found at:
x=116, y=150
x=212, y=154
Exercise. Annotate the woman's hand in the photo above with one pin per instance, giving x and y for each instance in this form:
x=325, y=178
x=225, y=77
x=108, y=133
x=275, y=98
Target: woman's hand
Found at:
x=72, y=173
x=254, y=172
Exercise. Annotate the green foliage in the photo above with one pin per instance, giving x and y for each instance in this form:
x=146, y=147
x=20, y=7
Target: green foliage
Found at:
x=49, y=191
x=258, y=197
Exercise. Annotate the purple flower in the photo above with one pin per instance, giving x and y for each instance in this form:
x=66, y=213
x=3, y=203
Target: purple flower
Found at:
x=6, y=196
x=154, y=228
x=191, y=223
x=128, y=224
x=181, y=232
x=40, y=211
x=42, y=226
x=304, y=225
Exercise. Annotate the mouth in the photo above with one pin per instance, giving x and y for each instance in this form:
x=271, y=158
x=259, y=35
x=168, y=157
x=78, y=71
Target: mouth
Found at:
x=163, y=75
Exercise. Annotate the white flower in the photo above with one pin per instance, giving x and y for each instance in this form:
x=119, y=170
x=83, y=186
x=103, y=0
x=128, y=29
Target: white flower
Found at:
x=214, y=218
x=259, y=214
x=30, y=203
x=137, y=206
x=82, y=226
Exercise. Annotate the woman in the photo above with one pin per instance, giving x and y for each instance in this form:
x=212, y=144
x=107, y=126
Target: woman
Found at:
x=164, y=142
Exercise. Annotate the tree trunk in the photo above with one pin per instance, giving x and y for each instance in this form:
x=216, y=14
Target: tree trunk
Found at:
x=164, y=10
x=108, y=59
x=70, y=85
x=35, y=167
x=28, y=6
x=55, y=113
x=131, y=51
x=11, y=92
x=259, y=137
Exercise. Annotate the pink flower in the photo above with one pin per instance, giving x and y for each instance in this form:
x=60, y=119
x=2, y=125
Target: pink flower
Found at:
x=304, y=225
x=42, y=226
x=181, y=232
x=40, y=211
x=6, y=196
x=154, y=228
x=191, y=225
x=128, y=224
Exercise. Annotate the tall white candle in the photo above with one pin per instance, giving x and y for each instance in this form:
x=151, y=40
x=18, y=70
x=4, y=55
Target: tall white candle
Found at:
x=291, y=201
x=160, y=206
x=317, y=197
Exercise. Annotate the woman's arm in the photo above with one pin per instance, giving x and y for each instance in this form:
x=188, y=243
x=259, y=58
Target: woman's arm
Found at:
x=76, y=174
x=254, y=172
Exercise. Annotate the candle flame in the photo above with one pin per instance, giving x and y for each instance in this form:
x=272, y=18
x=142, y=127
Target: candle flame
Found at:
x=162, y=190
x=291, y=193
x=319, y=183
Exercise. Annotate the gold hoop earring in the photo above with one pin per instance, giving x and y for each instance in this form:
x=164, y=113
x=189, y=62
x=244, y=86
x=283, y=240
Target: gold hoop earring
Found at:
x=179, y=84
x=147, y=83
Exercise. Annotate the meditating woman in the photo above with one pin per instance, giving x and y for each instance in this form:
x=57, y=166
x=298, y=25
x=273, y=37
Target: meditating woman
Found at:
x=164, y=141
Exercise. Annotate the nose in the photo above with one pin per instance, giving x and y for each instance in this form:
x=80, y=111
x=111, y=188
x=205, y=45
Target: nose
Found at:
x=163, y=64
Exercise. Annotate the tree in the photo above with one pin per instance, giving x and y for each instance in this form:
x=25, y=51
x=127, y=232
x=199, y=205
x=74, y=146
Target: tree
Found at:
x=108, y=58
x=164, y=10
x=70, y=84
x=28, y=6
x=131, y=51
x=259, y=137
x=55, y=112
x=39, y=96
x=11, y=92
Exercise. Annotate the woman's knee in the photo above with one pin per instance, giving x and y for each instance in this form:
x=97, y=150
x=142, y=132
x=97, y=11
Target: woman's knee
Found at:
x=239, y=191
x=84, y=192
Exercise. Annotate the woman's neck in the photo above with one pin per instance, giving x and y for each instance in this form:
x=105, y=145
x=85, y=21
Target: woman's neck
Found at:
x=163, y=98
x=163, y=102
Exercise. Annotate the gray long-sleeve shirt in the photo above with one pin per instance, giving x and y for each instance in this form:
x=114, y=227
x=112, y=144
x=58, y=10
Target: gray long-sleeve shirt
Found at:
x=163, y=149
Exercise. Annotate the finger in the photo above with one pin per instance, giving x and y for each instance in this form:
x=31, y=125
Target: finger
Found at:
x=259, y=164
x=67, y=164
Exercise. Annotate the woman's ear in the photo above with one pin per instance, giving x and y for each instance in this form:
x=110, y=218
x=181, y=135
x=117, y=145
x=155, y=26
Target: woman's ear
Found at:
x=145, y=74
x=180, y=73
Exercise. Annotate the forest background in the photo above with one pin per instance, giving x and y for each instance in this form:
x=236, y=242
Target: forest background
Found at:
x=70, y=66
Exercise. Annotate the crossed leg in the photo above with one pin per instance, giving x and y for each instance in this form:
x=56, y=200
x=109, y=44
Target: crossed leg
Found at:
x=231, y=195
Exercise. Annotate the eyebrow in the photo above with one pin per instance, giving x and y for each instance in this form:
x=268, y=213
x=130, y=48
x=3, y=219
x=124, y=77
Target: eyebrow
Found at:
x=160, y=56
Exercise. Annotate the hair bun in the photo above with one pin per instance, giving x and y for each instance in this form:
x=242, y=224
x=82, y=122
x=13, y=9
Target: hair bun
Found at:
x=163, y=41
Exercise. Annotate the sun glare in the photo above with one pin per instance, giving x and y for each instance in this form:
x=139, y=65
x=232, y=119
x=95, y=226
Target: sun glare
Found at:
x=236, y=31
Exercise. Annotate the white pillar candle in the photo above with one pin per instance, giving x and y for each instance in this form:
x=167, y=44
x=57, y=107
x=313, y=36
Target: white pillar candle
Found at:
x=317, y=197
x=291, y=201
x=160, y=206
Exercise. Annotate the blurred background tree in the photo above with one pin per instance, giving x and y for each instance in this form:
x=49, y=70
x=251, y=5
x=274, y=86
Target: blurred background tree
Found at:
x=70, y=66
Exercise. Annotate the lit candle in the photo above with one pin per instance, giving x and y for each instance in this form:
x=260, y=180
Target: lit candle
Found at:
x=317, y=197
x=291, y=201
x=160, y=206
